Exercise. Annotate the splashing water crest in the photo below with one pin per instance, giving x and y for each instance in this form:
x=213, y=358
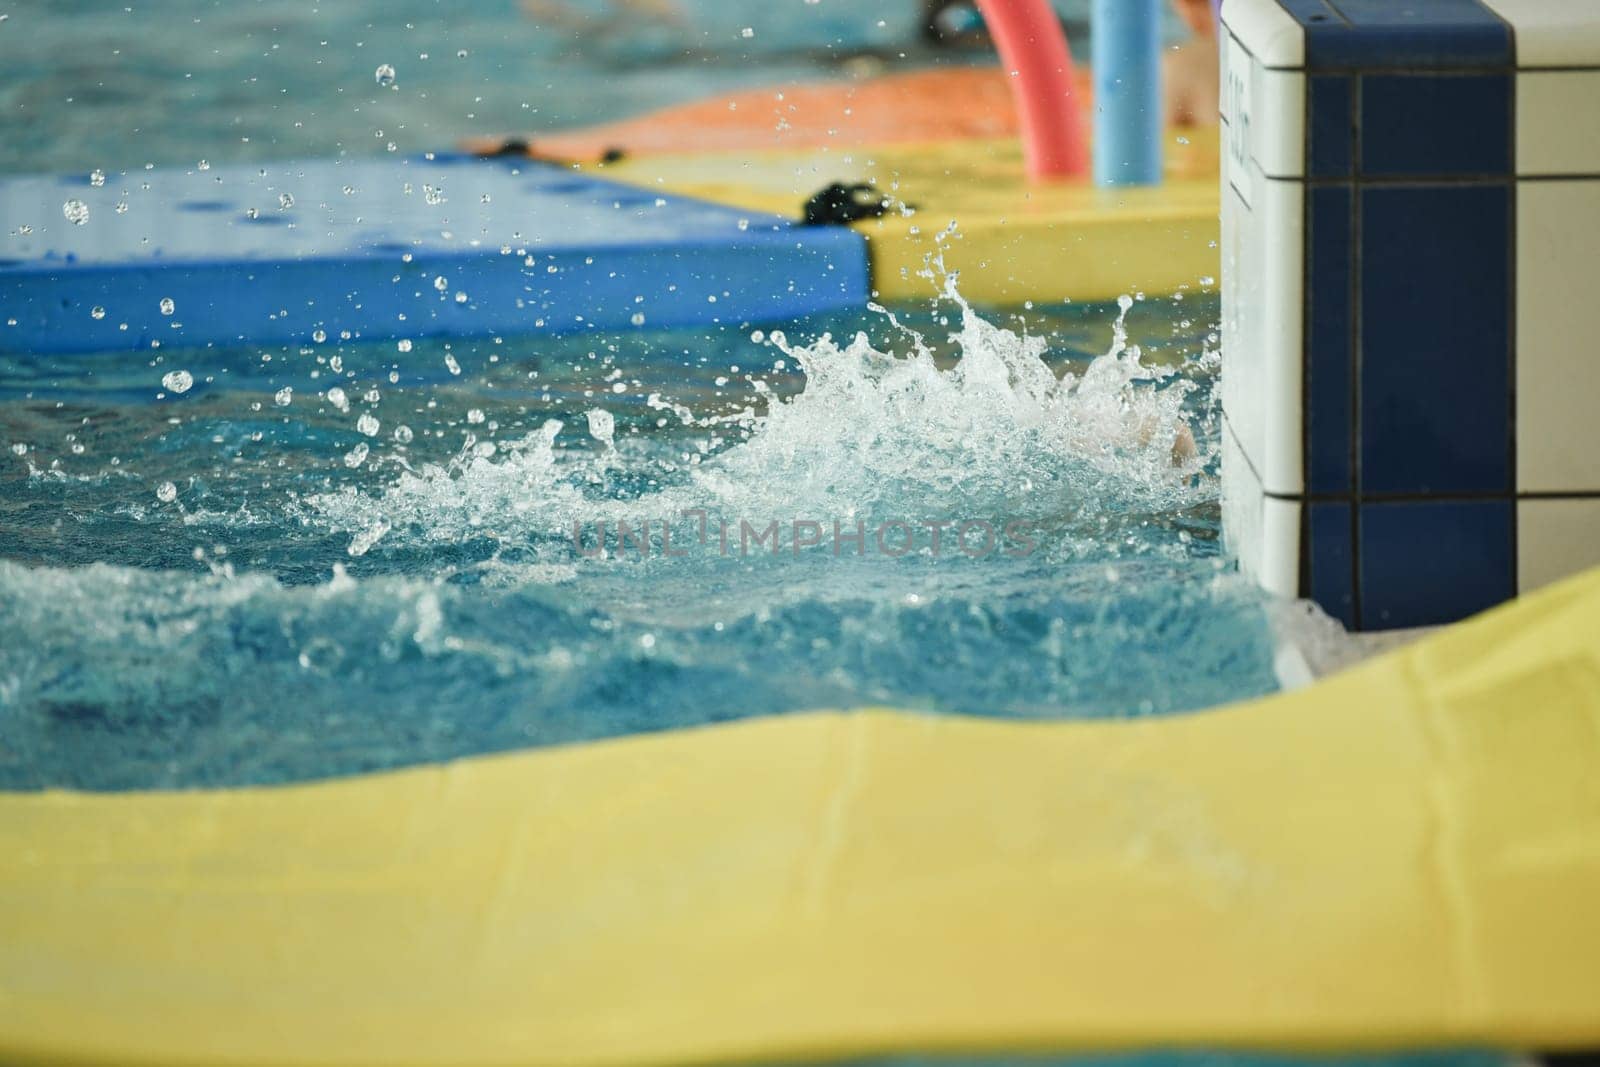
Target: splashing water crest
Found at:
x=472, y=619
x=873, y=435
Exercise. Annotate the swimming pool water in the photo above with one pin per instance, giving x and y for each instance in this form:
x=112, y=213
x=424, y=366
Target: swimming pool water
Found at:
x=334, y=559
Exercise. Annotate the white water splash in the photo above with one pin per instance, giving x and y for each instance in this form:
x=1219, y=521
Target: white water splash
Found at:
x=996, y=434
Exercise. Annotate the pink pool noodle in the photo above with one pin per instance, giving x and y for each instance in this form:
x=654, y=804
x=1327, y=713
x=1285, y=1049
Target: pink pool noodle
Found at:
x=1033, y=50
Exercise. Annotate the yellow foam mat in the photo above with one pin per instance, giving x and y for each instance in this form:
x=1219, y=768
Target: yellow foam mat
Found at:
x=1405, y=854
x=1016, y=241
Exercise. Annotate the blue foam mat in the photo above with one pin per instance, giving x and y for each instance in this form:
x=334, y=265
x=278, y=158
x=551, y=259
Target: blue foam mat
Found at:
x=520, y=247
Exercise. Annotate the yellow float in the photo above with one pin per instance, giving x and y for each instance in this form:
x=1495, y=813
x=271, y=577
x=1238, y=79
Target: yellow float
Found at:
x=1407, y=854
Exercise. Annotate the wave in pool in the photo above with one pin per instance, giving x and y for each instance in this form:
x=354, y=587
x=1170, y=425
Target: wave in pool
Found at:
x=301, y=613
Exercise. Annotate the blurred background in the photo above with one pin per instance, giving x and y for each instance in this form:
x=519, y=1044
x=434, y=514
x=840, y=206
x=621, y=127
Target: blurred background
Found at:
x=102, y=83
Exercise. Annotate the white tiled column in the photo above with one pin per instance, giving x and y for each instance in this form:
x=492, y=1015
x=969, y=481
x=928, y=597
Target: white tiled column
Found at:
x=1262, y=256
x=1558, y=286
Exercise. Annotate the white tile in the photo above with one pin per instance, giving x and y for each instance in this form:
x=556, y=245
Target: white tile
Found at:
x=1279, y=571
x=1558, y=336
x=1262, y=242
x=1552, y=33
x=1262, y=532
x=1556, y=538
x=1558, y=122
x=1264, y=112
x=1267, y=30
x=1241, y=502
x=1278, y=128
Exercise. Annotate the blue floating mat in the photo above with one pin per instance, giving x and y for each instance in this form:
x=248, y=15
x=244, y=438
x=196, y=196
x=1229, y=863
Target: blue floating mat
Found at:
x=346, y=249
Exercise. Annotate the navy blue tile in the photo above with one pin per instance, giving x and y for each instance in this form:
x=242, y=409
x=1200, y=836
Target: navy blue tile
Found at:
x=1435, y=125
x=1330, y=570
x=1434, y=359
x=1328, y=417
x=1389, y=34
x=1329, y=132
x=1429, y=562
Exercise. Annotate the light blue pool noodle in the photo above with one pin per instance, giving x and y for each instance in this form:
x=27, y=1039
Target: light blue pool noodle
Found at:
x=1125, y=40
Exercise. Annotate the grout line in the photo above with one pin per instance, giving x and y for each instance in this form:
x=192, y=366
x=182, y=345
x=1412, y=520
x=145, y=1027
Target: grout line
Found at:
x=1308, y=301
x=1511, y=322
x=1411, y=69
x=1308, y=304
x=1412, y=180
x=1459, y=497
x=1357, y=609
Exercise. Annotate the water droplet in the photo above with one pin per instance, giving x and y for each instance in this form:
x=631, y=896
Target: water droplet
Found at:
x=602, y=427
x=319, y=335
x=356, y=456
x=461, y=298
x=368, y=424
x=403, y=434
x=203, y=165
x=441, y=283
x=167, y=306
x=97, y=177
x=284, y=397
x=1206, y=279
x=404, y=344
x=461, y=53
x=362, y=543
x=177, y=381
x=285, y=201
x=747, y=33
x=19, y=449
x=338, y=399
x=251, y=213
x=384, y=75
x=166, y=492
x=97, y=312
x=451, y=365
x=76, y=212
x=744, y=224
x=638, y=318
x=122, y=207
x=433, y=195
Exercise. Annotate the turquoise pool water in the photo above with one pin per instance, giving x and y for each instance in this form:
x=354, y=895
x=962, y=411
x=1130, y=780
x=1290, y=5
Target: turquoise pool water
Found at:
x=225, y=567
x=312, y=562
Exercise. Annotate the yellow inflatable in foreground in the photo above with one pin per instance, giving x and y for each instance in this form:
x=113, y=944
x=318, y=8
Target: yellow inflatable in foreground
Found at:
x=1406, y=854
